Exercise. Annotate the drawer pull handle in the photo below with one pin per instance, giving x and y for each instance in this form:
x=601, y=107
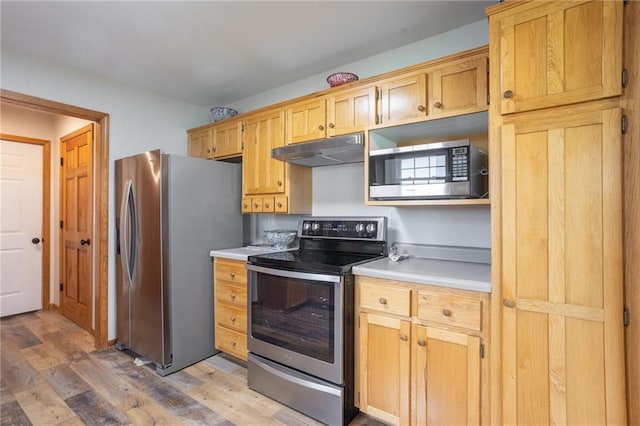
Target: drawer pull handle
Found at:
x=233, y=344
x=404, y=337
x=233, y=319
x=233, y=274
x=279, y=205
x=446, y=312
x=233, y=296
x=422, y=343
x=508, y=94
x=266, y=205
x=382, y=301
x=509, y=303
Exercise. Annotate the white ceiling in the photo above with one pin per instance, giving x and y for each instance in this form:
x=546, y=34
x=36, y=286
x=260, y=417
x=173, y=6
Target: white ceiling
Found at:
x=218, y=52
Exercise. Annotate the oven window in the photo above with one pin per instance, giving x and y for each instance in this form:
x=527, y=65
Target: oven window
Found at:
x=294, y=314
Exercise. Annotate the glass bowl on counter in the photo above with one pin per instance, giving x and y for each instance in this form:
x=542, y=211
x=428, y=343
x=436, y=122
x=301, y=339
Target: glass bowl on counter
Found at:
x=280, y=238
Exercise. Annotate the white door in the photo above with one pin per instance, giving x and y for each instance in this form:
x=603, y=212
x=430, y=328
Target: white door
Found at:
x=20, y=227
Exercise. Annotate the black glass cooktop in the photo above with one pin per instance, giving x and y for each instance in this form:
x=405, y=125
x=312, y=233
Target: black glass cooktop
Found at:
x=312, y=261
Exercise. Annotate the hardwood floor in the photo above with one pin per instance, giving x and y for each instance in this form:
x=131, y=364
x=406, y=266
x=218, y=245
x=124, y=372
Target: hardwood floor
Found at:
x=51, y=375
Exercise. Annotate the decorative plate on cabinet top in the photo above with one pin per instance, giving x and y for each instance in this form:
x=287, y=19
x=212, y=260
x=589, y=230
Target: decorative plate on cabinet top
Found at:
x=220, y=113
x=338, y=78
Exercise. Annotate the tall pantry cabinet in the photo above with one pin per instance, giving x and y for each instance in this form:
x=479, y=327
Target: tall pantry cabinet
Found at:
x=557, y=213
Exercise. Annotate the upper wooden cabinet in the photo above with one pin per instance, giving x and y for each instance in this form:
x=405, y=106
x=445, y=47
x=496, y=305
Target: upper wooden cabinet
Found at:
x=461, y=87
x=227, y=139
x=216, y=141
x=269, y=185
x=200, y=143
x=351, y=110
x=556, y=53
x=403, y=98
x=306, y=121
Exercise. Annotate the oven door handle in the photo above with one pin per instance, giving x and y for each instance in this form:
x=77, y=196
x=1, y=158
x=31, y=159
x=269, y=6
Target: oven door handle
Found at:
x=299, y=381
x=294, y=274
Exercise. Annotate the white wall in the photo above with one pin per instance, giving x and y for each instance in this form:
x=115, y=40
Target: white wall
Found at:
x=140, y=121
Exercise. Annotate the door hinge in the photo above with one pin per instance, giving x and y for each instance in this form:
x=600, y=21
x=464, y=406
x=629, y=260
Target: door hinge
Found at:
x=61, y=161
x=488, y=99
x=625, y=78
x=624, y=122
x=61, y=224
x=625, y=317
x=481, y=350
x=61, y=286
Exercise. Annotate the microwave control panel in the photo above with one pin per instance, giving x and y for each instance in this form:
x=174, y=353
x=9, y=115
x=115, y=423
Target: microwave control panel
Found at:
x=459, y=164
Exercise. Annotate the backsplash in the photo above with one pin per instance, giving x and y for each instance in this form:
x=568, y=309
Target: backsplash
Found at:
x=339, y=191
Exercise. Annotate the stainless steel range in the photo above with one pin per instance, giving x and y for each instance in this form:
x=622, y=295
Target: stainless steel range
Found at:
x=301, y=316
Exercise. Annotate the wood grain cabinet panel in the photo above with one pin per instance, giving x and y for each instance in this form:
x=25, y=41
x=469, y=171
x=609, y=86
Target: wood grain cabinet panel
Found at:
x=562, y=288
x=351, y=110
x=404, y=98
x=420, y=355
x=558, y=53
x=227, y=139
x=306, y=121
x=200, y=143
x=230, y=307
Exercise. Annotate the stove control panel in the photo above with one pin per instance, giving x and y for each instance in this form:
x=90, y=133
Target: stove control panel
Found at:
x=365, y=228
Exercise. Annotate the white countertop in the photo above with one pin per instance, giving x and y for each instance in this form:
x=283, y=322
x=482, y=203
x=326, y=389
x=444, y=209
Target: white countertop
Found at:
x=443, y=273
x=242, y=253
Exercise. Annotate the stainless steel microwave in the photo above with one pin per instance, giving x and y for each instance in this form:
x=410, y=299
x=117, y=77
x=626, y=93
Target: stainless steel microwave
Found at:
x=451, y=169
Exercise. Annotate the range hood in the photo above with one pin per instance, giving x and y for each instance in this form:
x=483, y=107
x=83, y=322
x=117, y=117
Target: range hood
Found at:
x=323, y=152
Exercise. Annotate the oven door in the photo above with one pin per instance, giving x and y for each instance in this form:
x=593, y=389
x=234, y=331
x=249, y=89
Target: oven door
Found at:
x=295, y=319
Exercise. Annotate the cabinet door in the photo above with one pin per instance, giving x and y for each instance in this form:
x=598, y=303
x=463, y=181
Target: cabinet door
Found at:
x=385, y=367
x=306, y=121
x=460, y=88
x=446, y=377
x=351, y=111
x=200, y=144
x=559, y=53
x=261, y=173
x=404, y=98
x=227, y=139
x=562, y=283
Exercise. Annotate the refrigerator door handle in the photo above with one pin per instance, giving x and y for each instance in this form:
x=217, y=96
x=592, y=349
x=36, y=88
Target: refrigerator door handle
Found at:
x=127, y=228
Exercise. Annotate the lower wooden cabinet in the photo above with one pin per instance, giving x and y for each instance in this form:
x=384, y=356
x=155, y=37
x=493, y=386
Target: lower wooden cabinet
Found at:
x=230, y=307
x=420, y=353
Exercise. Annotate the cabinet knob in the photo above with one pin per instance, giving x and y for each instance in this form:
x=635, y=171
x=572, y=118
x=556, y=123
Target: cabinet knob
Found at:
x=255, y=205
x=233, y=344
x=279, y=205
x=233, y=296
x=404, y=337
x=208, y=151
x=233, y=319
x=279, y=183
x=331, y=126
x=233, y=274
x=446, y=312
x=437, y=104
x=382, y=301
x=321, y=127
x=214, y=149
x=507, y=94
x=422, y=343
x=245, y=206
x=421, y=108
x=266, y=205
x=509, y=303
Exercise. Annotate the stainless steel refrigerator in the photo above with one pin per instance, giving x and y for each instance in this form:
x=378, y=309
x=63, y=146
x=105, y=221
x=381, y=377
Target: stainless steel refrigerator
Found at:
x=170, y=212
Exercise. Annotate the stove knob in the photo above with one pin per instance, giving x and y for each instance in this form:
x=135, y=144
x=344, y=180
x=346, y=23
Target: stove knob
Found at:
x=371, y=228
x=315, y=226
x=359, y=227
x=306, y=226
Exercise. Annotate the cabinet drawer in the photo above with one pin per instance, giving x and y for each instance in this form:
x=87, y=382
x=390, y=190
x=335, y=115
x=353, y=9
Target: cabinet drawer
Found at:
x=236, y=295
x=228, y=270
x=231, y=317
x=450, y=310
x=392, y=300
x=232, y=342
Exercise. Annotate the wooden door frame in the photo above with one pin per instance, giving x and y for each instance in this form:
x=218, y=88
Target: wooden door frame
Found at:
x=46, y=209
x=100, y=197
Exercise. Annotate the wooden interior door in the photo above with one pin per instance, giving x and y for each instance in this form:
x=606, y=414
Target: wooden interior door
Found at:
x=562, y=328
x=76, y=177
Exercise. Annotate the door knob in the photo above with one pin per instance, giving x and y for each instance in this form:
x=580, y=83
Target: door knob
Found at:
x=35, y=240
x=85, y=242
